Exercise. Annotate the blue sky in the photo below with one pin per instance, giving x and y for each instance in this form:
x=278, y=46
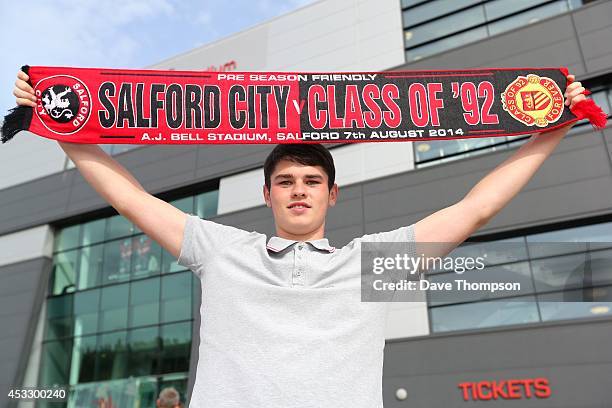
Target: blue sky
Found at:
x=117, y=33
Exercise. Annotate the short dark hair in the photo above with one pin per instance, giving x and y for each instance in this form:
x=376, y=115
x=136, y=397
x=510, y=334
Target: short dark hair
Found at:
x=307, y=154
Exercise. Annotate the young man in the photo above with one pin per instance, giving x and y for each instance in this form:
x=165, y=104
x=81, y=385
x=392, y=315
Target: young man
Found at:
x=282, y=322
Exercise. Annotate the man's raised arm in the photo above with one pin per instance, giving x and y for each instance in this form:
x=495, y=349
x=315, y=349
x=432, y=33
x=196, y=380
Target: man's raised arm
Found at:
x=161, y=221
x=451, y=226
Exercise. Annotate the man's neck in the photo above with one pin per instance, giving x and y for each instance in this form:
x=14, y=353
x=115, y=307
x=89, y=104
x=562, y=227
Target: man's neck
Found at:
x=311, y=236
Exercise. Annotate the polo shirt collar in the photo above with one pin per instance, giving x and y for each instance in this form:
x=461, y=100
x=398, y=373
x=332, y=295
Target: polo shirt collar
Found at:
x=277, y=244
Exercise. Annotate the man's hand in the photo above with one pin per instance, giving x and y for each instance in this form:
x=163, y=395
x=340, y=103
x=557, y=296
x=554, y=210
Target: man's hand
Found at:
x=23, y=91
x=573, y=95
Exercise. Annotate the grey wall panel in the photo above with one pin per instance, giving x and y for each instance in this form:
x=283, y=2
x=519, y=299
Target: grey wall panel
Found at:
x=348, y=210
x=593, y=17
x=607, y=135
x=597, y=48
x=37, y=188
x=573, y=357
x=594, y=28
x=217, y=161
x=22, y=291
x=154, y=168
x=391, y=223
x=342, y=236
x=555, y=204
x=548, y=43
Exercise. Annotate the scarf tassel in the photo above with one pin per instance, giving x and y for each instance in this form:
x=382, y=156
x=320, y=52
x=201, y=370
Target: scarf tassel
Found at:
x=18, y=119
x=587, y=109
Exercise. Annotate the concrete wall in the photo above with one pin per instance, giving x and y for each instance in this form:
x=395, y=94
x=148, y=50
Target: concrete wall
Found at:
x=575, y=359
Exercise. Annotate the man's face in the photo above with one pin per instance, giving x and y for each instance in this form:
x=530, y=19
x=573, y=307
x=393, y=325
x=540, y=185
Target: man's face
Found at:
x=299, y=197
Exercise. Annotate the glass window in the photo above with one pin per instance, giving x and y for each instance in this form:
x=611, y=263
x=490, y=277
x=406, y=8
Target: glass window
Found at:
x=117, y=260
x=455, y=41
x=499, y=8
x=64, y=272
x=574, y=304
x=206, y=204
x=495, y=252
x=55, y=363
x=144, y=302
x=59, y=317
x=147, y=391
x=179, y=382
x=67, y=238
x=176, y=297
x=146, y=256
x=83, y=366
x=508, y=273
x=573, y=271
x=175, y=347
x=90, y=268
x=443, y=26
x=433, y=9
x=117, y=227
x=114, y=307
x=484, y=314
x=408, y=3
x=572, y=280
x=184, y=204
x=112, y=356
x=588, y=233
x=432, y=149
x=143, y=346
x=602, y=98
x=118, y=393
x=169, y=263
x=86, y=306
x=527, y=17
x=93, y=232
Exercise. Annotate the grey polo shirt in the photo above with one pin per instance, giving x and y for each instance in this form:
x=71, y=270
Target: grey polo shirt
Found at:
x=282, y=322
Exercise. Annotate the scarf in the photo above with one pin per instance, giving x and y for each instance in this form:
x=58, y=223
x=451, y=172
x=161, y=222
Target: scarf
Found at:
x=92, y=105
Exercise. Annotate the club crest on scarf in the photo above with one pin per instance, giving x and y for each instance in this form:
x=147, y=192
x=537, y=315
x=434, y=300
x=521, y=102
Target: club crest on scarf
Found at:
x=64, y=103
x=533, y=100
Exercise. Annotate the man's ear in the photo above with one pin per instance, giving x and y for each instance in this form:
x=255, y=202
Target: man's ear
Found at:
x=266, y=194
x=333, y=195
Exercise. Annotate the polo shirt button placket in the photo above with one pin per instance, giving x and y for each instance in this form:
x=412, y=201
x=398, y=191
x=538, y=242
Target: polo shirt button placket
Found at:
x=298, y=274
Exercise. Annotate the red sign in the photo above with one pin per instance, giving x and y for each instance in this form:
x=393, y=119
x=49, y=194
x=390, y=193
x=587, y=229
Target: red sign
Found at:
x=524, y=388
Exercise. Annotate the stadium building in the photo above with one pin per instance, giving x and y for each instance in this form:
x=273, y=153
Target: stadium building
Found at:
x=88, y=301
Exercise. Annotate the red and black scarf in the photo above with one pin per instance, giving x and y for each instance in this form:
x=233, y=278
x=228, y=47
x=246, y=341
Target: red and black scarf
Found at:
x=91, y=105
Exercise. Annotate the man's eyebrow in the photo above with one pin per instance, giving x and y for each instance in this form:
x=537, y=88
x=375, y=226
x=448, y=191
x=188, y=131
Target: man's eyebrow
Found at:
x=290, y=176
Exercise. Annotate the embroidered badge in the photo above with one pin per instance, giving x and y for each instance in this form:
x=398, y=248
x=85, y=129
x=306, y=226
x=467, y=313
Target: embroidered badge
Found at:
x=64, y=103
x=533, y=100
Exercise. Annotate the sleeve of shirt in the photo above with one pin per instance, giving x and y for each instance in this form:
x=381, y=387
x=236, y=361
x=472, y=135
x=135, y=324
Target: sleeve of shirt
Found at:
x=402, y=234
x=203, y=239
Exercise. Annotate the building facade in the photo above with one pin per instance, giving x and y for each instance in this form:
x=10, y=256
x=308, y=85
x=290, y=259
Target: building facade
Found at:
x=89, y=302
